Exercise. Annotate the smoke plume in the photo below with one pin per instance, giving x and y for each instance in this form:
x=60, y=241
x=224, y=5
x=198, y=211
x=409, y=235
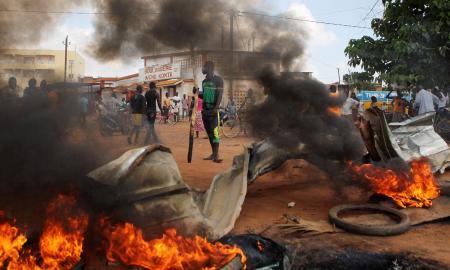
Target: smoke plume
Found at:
x=137, y=27
x=35, y=150
x=18, y=28
x=295, y=116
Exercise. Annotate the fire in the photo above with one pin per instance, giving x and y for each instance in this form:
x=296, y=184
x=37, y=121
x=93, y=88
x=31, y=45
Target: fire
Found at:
x=414, y=188
x=61, y=243
x=335, y=110
x=11, y=243
x=127, y=244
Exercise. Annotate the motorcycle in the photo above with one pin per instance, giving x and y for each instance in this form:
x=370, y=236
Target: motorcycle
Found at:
x=110, y=123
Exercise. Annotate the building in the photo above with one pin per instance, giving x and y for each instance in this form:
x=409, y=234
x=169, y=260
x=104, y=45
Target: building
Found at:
x=40, y=64
x=179, y=72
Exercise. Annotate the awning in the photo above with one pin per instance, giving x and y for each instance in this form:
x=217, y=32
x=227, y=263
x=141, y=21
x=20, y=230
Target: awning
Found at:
x=167, y=83
x=132, y=87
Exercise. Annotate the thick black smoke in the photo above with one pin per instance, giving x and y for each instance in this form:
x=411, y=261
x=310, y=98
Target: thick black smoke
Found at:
x=137, y=27
x=18, y=28
x=295, y=116
x=36, y=151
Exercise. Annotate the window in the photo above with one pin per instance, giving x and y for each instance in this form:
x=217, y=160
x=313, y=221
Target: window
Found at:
x=28, y=59
x=51, y=59
x=28, y=73
x=45, y=59
x=6, y=59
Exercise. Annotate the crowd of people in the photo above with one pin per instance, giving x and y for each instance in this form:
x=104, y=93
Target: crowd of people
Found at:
x=34, y=97
x=144, y=107
x=422, y=101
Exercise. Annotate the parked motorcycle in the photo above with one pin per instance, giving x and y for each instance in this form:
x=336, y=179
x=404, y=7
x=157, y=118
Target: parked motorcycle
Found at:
x=110, y=123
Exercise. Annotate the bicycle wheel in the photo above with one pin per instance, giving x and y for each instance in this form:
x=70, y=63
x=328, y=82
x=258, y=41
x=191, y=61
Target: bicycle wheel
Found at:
x=231, y=128
x=171, y=121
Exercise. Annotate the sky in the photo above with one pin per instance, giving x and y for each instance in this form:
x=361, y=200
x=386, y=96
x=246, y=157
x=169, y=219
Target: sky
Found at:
x=324, y=50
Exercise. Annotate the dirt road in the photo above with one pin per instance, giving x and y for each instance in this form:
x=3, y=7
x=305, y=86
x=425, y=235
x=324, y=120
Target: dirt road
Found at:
x=312, y=191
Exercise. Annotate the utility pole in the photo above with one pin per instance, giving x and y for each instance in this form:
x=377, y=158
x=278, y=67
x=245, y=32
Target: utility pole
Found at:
x=230, y=92
x=339, y=76
x=66, y=44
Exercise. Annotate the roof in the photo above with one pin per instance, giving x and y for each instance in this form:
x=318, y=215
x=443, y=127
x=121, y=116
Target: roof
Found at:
x=127, y=77
x=197, y=52
x=132, y=86
x=172, y=82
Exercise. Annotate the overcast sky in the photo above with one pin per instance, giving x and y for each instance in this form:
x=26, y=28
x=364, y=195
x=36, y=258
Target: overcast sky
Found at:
x=325, y=49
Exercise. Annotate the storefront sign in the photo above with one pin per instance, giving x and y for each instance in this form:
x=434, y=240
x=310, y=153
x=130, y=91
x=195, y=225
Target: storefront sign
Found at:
x=160, y=72
x=380, y=95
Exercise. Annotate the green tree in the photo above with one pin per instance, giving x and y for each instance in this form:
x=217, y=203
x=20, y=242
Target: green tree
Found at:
x=412, y=43
x=360, y=80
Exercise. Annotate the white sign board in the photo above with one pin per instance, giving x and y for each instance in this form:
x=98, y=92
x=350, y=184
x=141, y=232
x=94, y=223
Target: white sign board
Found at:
x=160, y=72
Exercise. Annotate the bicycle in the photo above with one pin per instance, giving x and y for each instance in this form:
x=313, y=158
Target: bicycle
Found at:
x=162, y=119
x=232, y=125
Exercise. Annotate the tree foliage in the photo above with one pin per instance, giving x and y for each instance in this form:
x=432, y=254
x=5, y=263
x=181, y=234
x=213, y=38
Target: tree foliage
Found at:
x=412, y=43
x=360, y=80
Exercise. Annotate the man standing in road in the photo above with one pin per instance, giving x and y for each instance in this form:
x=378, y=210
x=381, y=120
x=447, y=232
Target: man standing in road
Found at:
x=152, y=98
x=212, y=87
x=185, y=107
x=137, y=110
x=166, y=103
x=11, y=91
x=425, y=101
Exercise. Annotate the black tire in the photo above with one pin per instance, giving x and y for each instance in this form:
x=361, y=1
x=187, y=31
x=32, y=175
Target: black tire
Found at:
x=383, y=230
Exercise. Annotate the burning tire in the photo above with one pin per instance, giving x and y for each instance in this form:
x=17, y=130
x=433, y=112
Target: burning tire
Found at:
x=402, y=226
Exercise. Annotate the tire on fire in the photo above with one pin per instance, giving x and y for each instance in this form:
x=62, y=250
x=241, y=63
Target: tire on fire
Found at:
x=400, y=227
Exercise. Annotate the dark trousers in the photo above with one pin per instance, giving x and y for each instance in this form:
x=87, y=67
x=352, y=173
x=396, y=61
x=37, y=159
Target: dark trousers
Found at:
x=151, y=134
x=210, y=122
x=83, y=119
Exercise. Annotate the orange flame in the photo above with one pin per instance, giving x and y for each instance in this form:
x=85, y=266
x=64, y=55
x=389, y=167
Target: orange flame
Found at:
x=414, y=188
x=11, y=243
x=335, y=110
x=61, y=243
x=126, y=244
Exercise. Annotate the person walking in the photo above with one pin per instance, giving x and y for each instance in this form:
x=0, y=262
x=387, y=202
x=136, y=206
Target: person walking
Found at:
x=84, y=109
x=185, y=107
x=198, y=125
x=425, y=101
x=399, y=105
x=152, y=98
x=11, y=91
x=212, y=87
x=137, y=110
x=166, y=103
x=35, y=99
x=443, y=99
x=347, y=108
x=355, y=110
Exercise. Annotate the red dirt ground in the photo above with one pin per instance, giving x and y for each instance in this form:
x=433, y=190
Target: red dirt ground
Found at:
x=267, y=198
x=299, y=182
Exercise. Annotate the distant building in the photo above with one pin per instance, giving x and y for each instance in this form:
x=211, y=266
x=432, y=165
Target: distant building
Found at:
x=40, y=64
x=176, y=72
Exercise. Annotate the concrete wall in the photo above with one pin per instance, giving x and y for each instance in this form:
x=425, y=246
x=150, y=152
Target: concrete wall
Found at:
x=40, y=64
